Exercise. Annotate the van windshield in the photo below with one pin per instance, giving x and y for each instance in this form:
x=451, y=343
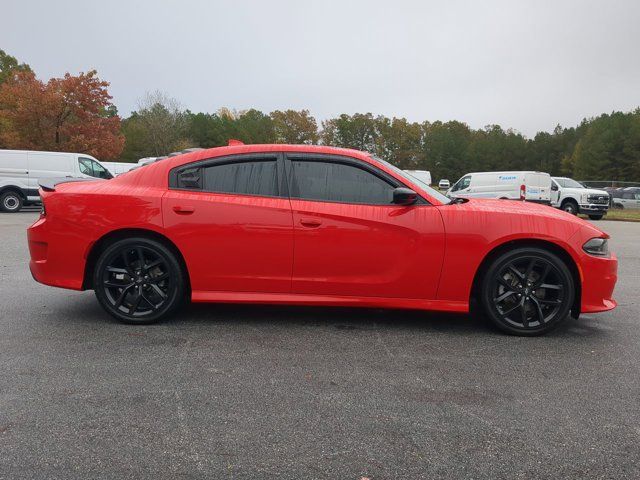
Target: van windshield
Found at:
x=431, y=191
x=568, y=183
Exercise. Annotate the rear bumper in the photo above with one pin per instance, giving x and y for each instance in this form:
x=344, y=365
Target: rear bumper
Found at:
x=50, y=261
x=599, y=277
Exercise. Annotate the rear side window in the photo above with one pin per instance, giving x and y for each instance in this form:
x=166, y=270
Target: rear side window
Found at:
x=338, y=182
x=249, y=178
x=246, y=178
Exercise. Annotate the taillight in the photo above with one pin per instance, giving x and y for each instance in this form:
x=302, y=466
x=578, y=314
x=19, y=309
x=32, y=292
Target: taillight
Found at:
x=523, y=192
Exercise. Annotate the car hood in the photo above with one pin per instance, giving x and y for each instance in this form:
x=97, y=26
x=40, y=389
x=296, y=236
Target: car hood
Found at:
x=515, y=207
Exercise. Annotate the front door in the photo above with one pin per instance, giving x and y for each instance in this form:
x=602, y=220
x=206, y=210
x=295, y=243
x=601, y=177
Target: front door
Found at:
x=350, y=240
x=232, y=222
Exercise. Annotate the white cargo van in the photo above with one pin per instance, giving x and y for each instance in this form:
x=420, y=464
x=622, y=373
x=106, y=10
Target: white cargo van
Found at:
x=422, y=175
x=529, y=186
x=20, y=171
x=117, y=168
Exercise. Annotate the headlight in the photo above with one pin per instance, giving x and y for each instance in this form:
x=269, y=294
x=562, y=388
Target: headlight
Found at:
x=584, y=198
x=597, y=246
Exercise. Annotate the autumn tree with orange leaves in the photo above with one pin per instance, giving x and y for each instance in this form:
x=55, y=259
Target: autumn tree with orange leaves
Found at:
x=71, y=114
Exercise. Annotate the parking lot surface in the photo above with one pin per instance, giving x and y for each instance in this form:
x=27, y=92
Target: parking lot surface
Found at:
x=266, y=392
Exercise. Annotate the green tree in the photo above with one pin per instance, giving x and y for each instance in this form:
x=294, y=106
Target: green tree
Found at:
x=10, y=66
x=294, y=127
x=357, y=131
x=610, y=148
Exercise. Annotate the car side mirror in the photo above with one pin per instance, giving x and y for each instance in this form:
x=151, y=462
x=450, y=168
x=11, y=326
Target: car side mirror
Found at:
x=554, y=188
x=404, y=196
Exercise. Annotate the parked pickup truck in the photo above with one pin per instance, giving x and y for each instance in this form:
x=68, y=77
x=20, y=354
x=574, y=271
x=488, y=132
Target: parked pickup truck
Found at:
x=574, y=198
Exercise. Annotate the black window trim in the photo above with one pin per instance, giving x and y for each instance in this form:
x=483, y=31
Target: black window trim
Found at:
x=235, y=158
x=345, y=160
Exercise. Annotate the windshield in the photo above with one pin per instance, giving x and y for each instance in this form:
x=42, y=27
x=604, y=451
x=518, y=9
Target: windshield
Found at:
x=568, y=183
x=432, y=192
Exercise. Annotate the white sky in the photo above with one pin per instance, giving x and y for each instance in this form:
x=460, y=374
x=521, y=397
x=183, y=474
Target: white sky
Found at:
x=527, y=65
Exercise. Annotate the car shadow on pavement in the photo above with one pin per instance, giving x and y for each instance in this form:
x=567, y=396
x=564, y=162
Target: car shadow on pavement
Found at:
x=86, y=311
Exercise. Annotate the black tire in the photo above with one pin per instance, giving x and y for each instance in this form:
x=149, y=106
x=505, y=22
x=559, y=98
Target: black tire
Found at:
x=596, y=217
x=570, y=206
x=138, y=281
x=11, y=202
x=618, y=206
x=527, y=291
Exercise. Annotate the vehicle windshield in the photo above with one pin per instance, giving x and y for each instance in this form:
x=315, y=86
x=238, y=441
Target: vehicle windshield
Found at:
x=568, y=183
x=431, y=191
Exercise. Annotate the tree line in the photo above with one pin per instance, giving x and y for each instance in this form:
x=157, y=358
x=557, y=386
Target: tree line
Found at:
x=76, y=113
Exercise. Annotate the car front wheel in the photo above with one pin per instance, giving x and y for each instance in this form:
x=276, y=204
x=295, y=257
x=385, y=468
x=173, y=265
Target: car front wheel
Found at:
x=138, y=281
x=527, y=291
x=571, y=207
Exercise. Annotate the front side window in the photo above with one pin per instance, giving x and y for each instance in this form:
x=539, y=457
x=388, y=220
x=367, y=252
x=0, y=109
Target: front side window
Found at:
x=90, y=167
x=461, y=184
x=338, y=182
x=85, y=166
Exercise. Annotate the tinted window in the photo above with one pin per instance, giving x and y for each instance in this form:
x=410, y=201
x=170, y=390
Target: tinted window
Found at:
x=338, y=182
x=250, y=178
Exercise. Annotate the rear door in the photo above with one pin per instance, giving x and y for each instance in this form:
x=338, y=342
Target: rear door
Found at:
x=231, y=219
x=538, y=187
x=350, y=240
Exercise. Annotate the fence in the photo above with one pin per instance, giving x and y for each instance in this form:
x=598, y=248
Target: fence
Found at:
x=609, y=184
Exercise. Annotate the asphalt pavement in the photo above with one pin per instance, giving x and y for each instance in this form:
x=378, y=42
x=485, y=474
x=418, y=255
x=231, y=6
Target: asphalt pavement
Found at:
x=282, y=392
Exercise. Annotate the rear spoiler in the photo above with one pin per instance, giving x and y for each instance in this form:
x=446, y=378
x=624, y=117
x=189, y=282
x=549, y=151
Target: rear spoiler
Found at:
x=49, y=184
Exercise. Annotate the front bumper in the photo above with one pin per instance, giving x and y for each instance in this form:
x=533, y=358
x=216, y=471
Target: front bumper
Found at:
x=593, y=209
x=599, y=277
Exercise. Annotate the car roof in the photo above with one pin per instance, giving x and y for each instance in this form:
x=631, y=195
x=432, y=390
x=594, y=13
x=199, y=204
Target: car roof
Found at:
x=260, y=148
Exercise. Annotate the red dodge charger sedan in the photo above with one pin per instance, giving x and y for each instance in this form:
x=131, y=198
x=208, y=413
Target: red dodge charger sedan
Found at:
x=299, y=224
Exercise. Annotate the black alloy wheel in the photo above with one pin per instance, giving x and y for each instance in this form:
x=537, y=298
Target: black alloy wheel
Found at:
x=138, y=281
x=528, y=291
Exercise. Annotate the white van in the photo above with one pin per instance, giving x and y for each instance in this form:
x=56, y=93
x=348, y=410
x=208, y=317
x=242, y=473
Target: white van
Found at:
x=118, y=168
x=20, y=171
x=529, y=186
x=422, y=175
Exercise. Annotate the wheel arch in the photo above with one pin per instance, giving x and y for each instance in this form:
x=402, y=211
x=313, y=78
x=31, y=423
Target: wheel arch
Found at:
x=554, y=248
x=569, y=199
x=107, y=239
x=13, y=188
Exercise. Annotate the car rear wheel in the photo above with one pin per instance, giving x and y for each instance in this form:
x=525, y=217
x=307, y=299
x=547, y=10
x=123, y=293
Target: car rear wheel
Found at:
x=10, y=202
x=570, y=206
x=138, y=281
x=527, y=291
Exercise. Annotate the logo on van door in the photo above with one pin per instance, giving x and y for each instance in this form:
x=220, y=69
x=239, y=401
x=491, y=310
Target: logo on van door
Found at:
x=506, y=177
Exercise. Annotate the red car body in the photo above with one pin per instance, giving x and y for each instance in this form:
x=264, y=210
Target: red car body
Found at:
x=264, y=249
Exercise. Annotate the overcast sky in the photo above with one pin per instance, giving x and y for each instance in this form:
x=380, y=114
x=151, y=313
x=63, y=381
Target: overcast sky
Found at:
x=527, y=65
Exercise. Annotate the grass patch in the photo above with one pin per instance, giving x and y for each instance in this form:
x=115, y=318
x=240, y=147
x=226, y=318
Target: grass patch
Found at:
x=626, y=215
